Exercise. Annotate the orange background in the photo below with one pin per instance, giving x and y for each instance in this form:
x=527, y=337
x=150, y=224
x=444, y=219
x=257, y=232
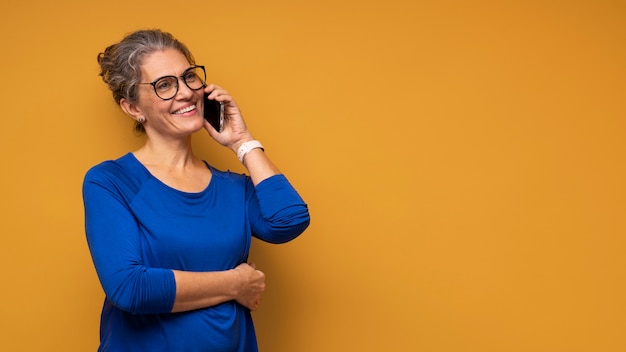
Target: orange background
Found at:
x=464, y=163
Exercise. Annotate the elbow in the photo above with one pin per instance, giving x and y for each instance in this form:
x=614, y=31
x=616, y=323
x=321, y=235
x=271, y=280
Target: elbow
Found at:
x=143, y=292
x=284, y=232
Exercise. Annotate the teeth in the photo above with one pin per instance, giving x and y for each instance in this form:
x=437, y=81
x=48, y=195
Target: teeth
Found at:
x=187, y=109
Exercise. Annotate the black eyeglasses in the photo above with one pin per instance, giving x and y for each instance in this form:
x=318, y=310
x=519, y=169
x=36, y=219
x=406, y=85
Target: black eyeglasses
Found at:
x=166, y=87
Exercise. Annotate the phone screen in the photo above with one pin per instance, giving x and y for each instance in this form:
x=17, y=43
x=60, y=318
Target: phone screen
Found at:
x=214, y=113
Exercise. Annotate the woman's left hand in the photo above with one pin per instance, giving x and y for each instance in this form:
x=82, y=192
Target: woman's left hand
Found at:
x=235, y=131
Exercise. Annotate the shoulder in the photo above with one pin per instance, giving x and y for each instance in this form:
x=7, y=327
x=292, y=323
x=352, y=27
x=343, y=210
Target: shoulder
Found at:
x=231, y=181
x=228, y=176
x=124, y=170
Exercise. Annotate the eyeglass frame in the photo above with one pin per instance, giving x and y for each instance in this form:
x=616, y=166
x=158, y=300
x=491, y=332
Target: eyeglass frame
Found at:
x=182, y=77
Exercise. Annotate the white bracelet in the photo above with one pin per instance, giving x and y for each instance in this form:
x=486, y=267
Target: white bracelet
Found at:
x=246, y=147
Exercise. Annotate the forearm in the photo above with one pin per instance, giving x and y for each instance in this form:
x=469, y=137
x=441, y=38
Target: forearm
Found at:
x=259, y=166
x=195, y=290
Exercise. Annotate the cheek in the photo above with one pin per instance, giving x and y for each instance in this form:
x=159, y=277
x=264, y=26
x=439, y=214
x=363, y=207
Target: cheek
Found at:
x=200, y=93
x=155, y=106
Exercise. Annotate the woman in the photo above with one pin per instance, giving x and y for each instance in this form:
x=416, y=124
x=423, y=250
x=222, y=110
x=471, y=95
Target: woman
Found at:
x=169, y=234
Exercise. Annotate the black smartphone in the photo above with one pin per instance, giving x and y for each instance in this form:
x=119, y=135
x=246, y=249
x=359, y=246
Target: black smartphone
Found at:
x=214, y=113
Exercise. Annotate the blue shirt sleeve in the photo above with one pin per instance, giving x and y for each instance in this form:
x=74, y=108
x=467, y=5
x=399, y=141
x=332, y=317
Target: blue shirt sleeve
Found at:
x=113, y=239
x=277, y=212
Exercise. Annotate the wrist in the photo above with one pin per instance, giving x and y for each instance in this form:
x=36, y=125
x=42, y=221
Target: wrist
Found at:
x=236, y=145
x=246, y=147
x=235, y=280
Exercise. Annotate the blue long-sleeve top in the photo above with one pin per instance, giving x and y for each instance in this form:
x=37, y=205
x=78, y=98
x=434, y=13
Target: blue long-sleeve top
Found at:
x=139, y=230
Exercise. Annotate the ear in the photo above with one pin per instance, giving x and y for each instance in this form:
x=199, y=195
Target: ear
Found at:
x=132, y=110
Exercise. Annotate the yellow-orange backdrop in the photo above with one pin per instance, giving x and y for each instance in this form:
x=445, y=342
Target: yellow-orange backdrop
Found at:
x=464, y=163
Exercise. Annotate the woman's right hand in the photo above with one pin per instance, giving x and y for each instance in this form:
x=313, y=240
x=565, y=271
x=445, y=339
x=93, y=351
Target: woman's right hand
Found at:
x=251, y=285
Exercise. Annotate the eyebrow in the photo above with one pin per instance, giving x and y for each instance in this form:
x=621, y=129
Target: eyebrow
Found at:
x=185, y=70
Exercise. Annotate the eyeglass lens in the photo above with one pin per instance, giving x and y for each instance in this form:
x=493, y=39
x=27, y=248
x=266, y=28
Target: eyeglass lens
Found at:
x=167, y=87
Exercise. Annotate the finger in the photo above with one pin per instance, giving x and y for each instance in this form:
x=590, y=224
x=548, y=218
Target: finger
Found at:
x=209, y=88
x=220, y=94
x=214, y=91
x=214, y=88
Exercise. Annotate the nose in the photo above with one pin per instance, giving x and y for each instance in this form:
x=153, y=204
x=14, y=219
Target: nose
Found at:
x=184, y=92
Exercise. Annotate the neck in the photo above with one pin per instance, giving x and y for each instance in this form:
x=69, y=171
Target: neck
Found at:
x=172, y=154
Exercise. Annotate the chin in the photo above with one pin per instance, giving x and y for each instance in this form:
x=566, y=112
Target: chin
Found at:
x=198, y=125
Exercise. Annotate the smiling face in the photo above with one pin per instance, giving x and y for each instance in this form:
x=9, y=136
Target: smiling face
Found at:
x=176, y=117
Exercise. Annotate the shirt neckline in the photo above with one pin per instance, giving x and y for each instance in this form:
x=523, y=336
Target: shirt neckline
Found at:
x=165, y=185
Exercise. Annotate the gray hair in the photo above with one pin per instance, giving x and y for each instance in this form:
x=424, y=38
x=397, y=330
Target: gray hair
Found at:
x=120, y=63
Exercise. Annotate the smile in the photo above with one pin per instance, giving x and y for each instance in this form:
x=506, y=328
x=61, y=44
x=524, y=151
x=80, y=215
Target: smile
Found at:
x=184, y=110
